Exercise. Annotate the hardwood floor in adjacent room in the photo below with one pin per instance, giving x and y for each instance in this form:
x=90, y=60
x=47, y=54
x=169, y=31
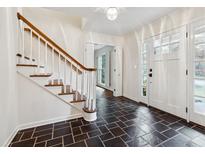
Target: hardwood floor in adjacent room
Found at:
x=121, y=122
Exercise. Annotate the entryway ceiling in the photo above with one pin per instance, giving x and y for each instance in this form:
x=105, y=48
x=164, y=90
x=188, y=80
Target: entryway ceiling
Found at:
x=94, y=19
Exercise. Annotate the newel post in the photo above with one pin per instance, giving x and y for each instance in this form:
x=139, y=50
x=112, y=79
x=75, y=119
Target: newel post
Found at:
x=89, y=110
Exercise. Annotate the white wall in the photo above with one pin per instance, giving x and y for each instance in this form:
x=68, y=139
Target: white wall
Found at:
x=8, y=77
x=64, y=30
x=37, y=106
x=132, y=45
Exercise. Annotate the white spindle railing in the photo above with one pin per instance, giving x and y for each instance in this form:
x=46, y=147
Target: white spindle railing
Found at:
x=80, y=79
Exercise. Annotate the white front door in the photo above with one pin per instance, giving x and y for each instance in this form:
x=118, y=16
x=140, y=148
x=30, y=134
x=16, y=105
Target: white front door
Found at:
x=197, y=72
x=167, y=72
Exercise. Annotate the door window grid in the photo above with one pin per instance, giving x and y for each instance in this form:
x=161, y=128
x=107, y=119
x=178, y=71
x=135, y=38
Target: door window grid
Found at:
x=167, y=44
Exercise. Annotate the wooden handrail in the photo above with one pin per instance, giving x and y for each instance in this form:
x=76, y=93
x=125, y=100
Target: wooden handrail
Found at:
x=20, y=17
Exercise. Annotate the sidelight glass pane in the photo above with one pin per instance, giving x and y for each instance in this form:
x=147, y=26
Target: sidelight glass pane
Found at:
x=199, y=38
x=199, y=105
x=103, y=69
x=145, y=48
x=200, y=69
x=144, y=91
x=199, y=88
x=200, y=52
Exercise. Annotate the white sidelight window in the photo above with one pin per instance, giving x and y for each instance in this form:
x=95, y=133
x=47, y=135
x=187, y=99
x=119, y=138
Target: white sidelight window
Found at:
x=144, y=64
x=199, y=70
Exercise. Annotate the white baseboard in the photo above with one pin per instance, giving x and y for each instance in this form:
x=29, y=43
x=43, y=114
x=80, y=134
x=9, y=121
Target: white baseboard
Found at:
x=132, y=98
x=38, y=123
x=10, y=138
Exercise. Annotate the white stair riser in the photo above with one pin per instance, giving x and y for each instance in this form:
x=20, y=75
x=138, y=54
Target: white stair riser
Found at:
x=67, y=98
x=55, y=90
x=27, y=71
x=42, y=81
x=79, y=105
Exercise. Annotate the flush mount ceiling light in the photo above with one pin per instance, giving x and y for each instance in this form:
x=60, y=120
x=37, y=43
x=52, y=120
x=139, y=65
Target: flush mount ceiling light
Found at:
x=112, y=13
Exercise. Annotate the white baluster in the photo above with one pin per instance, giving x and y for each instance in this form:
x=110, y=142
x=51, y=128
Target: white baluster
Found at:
x=65, y=74
x=94, y=90
x=88, y=90
x=31, y=45
x=82, y=85
x=19, y=40
x=76, y=84
x=52, y=63
x=46, y=56
x=39, y=54
x=23, y=49
x=59, y=63
x=71, y=76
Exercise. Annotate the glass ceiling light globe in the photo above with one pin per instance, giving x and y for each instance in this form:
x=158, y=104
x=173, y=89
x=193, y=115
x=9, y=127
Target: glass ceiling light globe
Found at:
x=112, y=13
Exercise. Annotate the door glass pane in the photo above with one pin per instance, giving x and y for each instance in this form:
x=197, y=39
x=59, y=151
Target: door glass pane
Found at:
x=199, y=88
x=199, y=105
x=165, y=40
x=165, y=49
x=157, y=43
x=175, y=38
x=157, y=51
x=200, y=69
x=174, y=47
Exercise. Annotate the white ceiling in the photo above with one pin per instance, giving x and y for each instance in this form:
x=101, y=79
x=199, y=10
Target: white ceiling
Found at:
x=129, y=19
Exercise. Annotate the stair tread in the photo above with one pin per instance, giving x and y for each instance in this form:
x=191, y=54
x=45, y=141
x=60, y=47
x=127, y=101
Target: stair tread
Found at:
x=67, y=93
x=27, y=65
x=41, y=75
x=54, y=85
x=78, y=101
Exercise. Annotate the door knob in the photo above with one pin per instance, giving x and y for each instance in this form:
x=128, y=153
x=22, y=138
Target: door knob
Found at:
x=150, y=74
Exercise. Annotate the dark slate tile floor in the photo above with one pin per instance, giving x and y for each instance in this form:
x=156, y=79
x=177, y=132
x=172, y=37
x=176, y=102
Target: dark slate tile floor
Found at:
x=121, y=123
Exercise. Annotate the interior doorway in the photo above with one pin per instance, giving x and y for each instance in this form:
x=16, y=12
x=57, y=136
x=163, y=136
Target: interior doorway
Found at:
x=104, y=62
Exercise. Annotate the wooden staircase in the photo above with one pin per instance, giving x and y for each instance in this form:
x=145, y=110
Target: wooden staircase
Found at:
x=48, y=65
